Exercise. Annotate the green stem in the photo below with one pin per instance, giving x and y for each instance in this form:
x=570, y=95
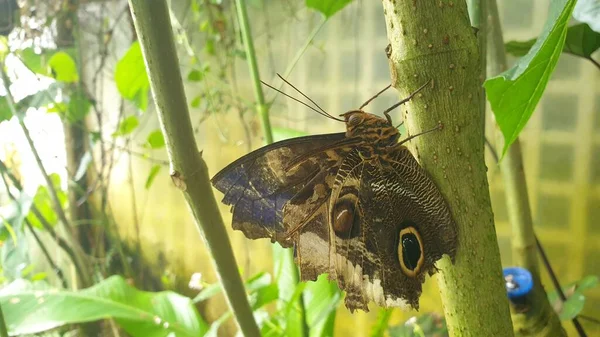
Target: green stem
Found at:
x=3, y=330
x=540, y=319
x=283, y=258
x=188, y=170
x=263, y=111
x=434, y=40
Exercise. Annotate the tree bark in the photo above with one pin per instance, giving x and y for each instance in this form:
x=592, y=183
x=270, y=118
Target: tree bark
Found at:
x=433, y=40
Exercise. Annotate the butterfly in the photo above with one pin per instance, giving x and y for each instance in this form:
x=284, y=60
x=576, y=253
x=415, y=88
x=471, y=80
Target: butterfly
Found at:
x=356, y=205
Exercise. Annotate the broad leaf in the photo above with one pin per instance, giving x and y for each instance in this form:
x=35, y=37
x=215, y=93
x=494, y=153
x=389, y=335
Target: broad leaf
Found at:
x=139, y=313
x=127, y=126
x=588, y=11
x=131, y=77
x=581, y=41
x=43, y=202
x=515, y=93
x=285, y=133
x=63, y=67
x=327, y=7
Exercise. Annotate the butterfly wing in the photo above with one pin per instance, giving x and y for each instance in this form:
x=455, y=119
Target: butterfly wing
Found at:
x=400, y=227
x=261, y=183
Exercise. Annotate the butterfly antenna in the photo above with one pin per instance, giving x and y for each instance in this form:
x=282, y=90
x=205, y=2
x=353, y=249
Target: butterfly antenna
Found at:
x=387, y=111
x=375, y=96
x=438, y=127
x=324, y=113
x=299, y=101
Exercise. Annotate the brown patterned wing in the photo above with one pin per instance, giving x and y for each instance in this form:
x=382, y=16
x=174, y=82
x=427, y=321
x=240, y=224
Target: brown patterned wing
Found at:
x=389, y=225
x=261, y=183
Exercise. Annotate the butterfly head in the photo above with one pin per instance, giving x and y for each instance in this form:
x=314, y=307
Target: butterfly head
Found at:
x=370, y=127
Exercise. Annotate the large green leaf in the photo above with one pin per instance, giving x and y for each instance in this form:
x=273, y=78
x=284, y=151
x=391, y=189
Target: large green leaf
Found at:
x=43, y=202
x=581, y=41
x=327, y=7
x=515, y=93
x=63, y=67
x=139, y=313
x=588, y=11
x=131, y=77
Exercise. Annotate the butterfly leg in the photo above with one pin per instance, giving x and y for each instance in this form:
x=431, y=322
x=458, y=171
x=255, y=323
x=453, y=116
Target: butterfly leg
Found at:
x=387, y=111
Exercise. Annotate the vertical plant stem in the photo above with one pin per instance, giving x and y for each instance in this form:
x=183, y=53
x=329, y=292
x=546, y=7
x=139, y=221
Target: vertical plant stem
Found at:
x=285, y=268
x=540, y=319
x=261, y=106
x=434, y=40
x=3, y=330
x=188, y=170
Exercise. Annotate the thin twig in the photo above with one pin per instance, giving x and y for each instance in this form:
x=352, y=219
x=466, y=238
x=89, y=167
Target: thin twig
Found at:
x=189, y=171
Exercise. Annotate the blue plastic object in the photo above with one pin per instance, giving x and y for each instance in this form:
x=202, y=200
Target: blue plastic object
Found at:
x=518, y=282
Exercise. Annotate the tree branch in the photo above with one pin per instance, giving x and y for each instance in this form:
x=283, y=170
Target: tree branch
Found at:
x=188, y=170
x=433, y=40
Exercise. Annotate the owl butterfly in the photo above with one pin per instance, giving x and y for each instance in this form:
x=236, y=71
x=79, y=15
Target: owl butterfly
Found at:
x=354, y=204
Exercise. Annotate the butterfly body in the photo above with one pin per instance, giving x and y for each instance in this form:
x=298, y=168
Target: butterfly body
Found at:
x=356, y=205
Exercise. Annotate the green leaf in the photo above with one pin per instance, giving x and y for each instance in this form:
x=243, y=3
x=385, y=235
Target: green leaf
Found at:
x=131, y=77
x=575, y=297
x=519, y=48
x=588, y=11
x=581, y=41
x=195, y=75
x=515, y=93
x=383, y=318
x=139, y=313
x=43, y=202
x=63, y=67
x=156, y=140
x=429, y=324
x=327, y=7
x=127, y=126
x=321, y=299
x=196, y=101
x=153, y=173
x=5, y=112
x=79, y=106
x=37, y=63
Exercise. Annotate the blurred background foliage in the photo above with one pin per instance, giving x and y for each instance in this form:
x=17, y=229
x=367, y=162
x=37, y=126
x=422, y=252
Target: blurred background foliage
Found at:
x=104, y=204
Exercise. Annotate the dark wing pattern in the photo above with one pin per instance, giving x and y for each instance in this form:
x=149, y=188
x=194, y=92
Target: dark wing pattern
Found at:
x=259, y=184
x=399, y=194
